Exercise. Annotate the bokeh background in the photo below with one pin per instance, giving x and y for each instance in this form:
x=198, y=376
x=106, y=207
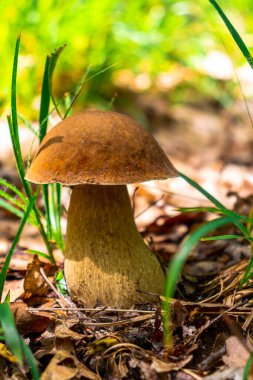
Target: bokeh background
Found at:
x=174, y=47
x=172, y=65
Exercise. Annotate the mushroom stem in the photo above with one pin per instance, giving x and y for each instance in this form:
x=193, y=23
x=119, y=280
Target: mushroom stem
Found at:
x=106, y=258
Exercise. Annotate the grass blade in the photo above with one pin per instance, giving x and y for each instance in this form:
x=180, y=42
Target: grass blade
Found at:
x=14, y=124
x=58, y=217
x=222, y=237
x=247, y=368
x=5, y=267
x=13, y=127
x=216, y=211
x=27, y=124
x=61, y=283
x=47, y=209
x=13, y=188
x=41, y=254
x=46, y=93
x=15, y=342
x=44, y=101
x=18, y=213
x=248, y=274
x=219, y=205
x=176, y=266
x=199, y=209
x=11, y=208
x=10, y=331
x=237, y=38
x=212, y=199
x=12, y=200
x=30, y=361
x=77, y=91
x=55, y=214
x=53, y=58
x=43, y=119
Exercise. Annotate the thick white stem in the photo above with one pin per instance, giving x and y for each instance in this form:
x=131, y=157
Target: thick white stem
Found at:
x=106, y=259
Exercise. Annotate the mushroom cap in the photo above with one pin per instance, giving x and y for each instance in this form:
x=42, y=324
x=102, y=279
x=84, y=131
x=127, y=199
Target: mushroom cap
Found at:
x=97, y=147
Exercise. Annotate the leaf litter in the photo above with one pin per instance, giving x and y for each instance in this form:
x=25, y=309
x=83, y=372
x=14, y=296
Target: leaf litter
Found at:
x=73, y=342
x=211, y=313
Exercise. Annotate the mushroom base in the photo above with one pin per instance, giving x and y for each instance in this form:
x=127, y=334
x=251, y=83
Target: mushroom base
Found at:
x=106, y=259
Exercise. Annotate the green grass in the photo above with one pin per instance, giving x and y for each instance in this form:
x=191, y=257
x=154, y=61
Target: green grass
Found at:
x=100, y=34
x=5, y=267
x=248, y=368
x=243, y=224
x=16, y=344
x=178, y=261
x=53, y=204
x=23, y=204
x=176, y=266
x=236, y=36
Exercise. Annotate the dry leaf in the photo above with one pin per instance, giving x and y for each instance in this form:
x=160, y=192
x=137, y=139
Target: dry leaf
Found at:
x=161, y=366
x=237, y=354
x=65, y=366
x=225, y=374
x=27, y=322
x=62, y=330
x=148, y=372
x=85, y=372
x=34, y=283
x=122, y=368
x=6, y=354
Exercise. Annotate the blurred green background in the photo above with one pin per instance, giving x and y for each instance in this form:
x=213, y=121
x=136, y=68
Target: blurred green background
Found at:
x=152, y=46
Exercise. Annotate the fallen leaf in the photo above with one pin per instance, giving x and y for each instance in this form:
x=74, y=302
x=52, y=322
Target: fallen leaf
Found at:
x=123, y=369
x=225, y=374
x=47, y=342
x=6, y=354
x=102, y=344
x=237, y=354
x=65, y=366
x=179, y=314
x=27, y=322
x=34, y=283
x=85, y=372
x=62, y=330
x=147, y=370
x=161, y=366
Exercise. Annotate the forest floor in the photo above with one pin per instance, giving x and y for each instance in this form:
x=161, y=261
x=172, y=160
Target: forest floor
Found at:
x=211, y=315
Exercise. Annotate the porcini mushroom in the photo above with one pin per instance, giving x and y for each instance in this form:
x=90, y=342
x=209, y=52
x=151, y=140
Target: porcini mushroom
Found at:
x=97, y=153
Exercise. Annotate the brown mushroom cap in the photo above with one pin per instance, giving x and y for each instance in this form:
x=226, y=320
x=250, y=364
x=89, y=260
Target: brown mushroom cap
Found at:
x=99, y=148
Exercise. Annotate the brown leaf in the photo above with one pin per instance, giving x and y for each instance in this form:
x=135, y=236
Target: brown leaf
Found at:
x=47, y=342
x=237, y=354
x=85, y=372
x=62, y=330
x=225, y=374
x=34, y=283
x=27, y=322
x=123, y=369
x=179, y=314
x=161, y=366
x=65, y=366
x=148, y=372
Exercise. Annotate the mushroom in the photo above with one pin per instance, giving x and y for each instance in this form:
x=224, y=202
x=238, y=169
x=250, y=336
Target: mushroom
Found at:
x=97, y=153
